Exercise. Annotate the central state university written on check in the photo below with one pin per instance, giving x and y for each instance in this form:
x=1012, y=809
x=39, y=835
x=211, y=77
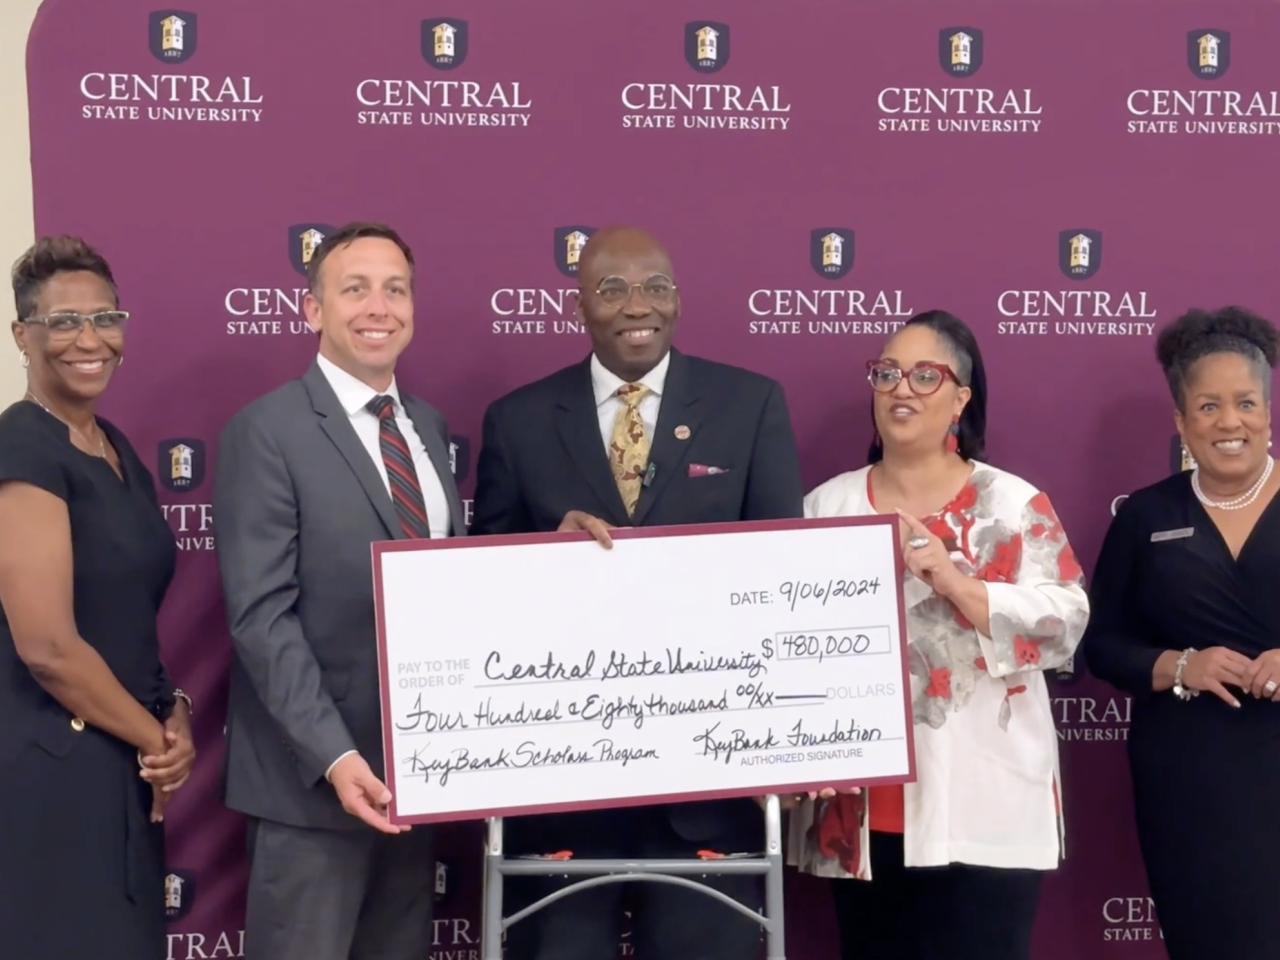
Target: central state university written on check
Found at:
x=539, y=673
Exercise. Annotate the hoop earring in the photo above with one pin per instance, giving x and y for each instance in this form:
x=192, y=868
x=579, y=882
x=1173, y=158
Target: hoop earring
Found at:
x=953, y=436
x=119, y=360
x=26, y=361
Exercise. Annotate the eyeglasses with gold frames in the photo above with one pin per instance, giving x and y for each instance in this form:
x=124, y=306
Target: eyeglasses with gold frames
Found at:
x=658, y=290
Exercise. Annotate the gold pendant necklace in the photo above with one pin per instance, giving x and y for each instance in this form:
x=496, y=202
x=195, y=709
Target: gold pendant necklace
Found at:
x=102, y=447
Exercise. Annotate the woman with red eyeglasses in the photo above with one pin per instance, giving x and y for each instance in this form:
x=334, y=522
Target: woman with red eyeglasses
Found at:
x=949, y=866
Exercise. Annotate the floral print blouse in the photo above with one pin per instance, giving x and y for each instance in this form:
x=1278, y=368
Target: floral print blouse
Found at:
x=987, y=788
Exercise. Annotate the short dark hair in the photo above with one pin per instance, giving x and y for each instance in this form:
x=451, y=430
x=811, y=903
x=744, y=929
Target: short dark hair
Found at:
x=349, y=234
x=960, y=342
x=1198, y=333
x=48, y=257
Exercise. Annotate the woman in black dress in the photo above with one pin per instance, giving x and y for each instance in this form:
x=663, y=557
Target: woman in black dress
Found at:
x=1186, y=618
x=93, y=735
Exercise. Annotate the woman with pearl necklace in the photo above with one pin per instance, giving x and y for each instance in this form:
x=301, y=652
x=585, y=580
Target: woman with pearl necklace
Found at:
x=1186, y=619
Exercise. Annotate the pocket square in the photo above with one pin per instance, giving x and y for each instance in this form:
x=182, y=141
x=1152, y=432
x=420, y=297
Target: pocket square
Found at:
x=702, y=470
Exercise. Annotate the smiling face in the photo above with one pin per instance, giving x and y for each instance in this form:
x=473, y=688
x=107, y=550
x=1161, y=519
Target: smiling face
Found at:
x=907, y=415
x=628, y=301
x=1225, y=421
x=363, y=309
x=71, y=363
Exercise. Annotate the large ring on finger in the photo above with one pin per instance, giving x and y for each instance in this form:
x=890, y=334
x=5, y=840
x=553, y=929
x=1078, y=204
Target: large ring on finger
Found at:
x=1269, y=688
x=915, y=543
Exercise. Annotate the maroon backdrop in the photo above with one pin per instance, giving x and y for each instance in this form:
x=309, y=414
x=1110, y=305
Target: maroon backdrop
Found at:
x=198, y=154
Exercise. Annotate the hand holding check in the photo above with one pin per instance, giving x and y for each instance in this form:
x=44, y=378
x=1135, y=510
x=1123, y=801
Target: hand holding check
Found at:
x=578, y=520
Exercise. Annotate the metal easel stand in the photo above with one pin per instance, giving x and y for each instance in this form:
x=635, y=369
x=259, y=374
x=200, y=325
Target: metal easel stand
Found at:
x=599, y=872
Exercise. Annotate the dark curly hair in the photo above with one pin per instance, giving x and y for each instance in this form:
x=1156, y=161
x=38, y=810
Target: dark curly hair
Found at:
x=959, y=341
x=1199, y=333
x=49, y=256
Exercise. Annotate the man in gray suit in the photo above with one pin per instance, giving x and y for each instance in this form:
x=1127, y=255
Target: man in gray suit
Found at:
x=308, y=477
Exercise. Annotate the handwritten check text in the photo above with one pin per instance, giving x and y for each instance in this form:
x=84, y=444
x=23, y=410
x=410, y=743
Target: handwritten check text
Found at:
x=530, y=674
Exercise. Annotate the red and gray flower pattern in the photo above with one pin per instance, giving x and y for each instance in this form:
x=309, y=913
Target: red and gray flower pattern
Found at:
x=946, y=656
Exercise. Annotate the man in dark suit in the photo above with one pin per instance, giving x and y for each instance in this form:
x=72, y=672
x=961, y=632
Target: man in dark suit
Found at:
x=637, y=434
x=308, y=477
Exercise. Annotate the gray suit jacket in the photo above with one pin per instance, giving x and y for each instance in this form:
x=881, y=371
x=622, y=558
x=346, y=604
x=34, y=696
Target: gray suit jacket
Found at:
x=297, y=503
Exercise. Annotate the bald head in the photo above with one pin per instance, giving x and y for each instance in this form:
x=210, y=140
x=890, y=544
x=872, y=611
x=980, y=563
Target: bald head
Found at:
x=628, y=299
x=609, y=251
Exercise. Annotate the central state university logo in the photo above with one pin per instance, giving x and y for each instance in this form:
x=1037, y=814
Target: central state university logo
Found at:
x=1208, y=53
x=173, y=35
x=706, y=45
x=180, y=463
x=569, y=242
x=459, y=456
x=960, y=50
x=1069, y=672
x=447, y=882
x=1079, y=253
x=831, y=251
x=179, y=894
x=445, y=42
x=304, y=238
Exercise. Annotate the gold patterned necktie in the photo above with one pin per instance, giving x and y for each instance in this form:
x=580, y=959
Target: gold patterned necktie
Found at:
x=628, y=446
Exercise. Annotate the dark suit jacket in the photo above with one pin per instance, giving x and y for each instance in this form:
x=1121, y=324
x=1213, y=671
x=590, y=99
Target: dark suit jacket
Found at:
x=543, y=455
x=297, y=503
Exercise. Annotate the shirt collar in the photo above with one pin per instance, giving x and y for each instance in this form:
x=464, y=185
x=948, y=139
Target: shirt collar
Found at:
x=354, y=395
x=606, y=384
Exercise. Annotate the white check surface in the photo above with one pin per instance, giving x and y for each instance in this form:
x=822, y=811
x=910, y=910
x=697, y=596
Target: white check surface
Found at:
x=535, y=675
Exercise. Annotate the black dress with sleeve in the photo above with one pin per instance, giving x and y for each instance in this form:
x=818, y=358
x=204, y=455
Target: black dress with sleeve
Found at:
x=81, y=865
x=1206, y=776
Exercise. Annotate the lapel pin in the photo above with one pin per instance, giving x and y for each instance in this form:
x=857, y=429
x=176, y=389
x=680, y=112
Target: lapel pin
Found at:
x=682, y=432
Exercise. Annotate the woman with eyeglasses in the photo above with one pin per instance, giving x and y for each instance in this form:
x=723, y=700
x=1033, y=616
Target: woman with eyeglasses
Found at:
x=94, y=737
x=949, y=866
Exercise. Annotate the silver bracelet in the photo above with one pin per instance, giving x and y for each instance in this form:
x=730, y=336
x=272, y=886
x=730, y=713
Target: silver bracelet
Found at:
x=182, y=695
x=1179, y=691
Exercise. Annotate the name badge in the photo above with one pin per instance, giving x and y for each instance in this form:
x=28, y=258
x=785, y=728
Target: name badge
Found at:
x=1163, y=535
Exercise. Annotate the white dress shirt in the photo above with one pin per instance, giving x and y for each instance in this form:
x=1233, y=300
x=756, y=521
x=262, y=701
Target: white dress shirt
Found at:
x=608, y=403
x=354, y=396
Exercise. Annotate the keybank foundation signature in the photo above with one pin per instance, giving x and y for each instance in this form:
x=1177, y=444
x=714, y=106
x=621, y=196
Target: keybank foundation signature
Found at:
x=721, y=744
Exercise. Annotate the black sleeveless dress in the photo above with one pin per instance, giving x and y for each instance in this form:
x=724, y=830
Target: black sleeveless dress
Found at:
x=81, y=865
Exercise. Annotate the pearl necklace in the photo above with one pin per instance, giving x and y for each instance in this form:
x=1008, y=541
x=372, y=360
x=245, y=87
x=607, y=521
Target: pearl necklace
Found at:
x=1240, y=502
x=102, y=447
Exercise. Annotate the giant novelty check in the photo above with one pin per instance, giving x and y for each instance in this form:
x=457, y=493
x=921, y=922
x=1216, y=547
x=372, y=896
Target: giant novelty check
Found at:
x=539, y=673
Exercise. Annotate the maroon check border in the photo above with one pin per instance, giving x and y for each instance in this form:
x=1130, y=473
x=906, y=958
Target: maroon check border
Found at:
x=381, y=548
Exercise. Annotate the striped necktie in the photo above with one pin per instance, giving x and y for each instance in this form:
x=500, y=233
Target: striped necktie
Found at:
x=406, y=493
